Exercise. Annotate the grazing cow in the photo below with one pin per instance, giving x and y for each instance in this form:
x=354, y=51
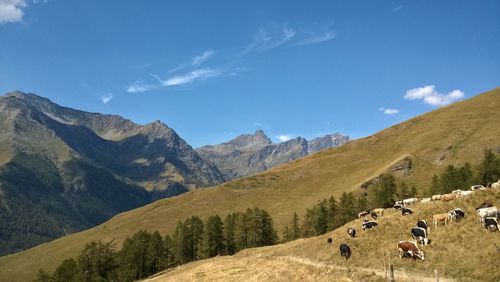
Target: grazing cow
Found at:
x=329, y=240
x=440, y=217
x=457, y=192
x=491, y=223
x=410, y=201
x=426, y=200
x=495, y=185
x=423, y=224
x=374, y=215
x=399, y=203
x=345, y=251
x=368, y=225
x=351, y=232
x=485, y=205
x=456, y=214
x=466, y=193
x=436, y=197
x=487, y=212
x=448, y=197
x=406, y=211
x=379, y=212
x=420, y=234
x=477, y=187
x=397, y=206
x=363, y=213
x=409, y=249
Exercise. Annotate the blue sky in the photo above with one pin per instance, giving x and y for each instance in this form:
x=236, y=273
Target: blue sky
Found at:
x=215, y=69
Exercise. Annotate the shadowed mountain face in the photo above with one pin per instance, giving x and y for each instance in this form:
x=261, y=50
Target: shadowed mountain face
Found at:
x=250, y=154
x=63, y=170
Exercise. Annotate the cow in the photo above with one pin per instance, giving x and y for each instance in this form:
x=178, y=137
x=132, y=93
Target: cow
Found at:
x=485, y=205
x=351, y=232
x=490, y=223
x=495, y=185
x=410, y=201
x=363, y=213
x=409, y=249
x=397, y=206
x=486, y=212
x=329, y=240
x=440, y=217
x=368, y=225
x=426, y=200
x=420, y=234
x=466, y=193
x=457, y=192
x=477, y=187
x=345, y=251
x=379, y=211
x=436, y=197
x=423, y=224
x=456, y=214
x=399, y=203
x=448, y=197
x=406, y=211
x=374, y=215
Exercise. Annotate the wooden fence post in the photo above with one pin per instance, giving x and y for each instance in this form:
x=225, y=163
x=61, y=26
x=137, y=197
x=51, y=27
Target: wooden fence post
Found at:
x=391, y=273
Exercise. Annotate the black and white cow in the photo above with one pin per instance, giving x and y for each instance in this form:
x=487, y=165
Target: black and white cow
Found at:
x=456, y=214
x=490, y=223
x=368, y=225
x=423, y=224
x=351, y=232
x=363, y=213
x=345, y=251
x=406, y=211
x=397, y=206
x=420, y=234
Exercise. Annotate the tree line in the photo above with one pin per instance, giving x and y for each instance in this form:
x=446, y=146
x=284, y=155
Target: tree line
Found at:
x=146, y=253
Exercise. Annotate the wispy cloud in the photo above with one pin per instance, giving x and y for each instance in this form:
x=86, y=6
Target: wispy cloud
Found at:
x=198, y=60
x=397, y=8
x=190, y=77
x=269, y=38
x=326, y=36
x=430, y=96
x=106, y=98
x=11, y=11
x=284, y=138
x=389, y=111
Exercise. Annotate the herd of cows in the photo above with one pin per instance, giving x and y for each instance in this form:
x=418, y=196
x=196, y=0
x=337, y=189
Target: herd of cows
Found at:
x=488, y=215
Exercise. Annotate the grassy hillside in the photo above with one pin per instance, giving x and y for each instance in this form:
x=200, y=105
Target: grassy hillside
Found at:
x=463, y=250
x=453, y=134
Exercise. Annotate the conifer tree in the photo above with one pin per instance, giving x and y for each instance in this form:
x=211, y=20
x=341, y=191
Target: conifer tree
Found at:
x=229, y=233
x=68, y=271
x=489, y=169
x=213, y=243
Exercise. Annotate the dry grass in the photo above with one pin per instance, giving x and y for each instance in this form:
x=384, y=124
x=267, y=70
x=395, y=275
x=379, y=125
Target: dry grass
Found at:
x=458, y=132
x=462, y=251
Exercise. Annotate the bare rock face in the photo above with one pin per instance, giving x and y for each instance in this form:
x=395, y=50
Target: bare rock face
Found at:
x=64, y=170
x=250, y=154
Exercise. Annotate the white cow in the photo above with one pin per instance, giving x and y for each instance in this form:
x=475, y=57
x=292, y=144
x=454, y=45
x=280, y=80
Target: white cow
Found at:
x=486, y=212
x=426, y=200
x=467, y=193
x=410, y=201
x=495, y=185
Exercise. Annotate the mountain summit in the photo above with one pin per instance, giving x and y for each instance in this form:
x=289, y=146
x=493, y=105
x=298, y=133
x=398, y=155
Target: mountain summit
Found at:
x=250, y=154
x=64, y=170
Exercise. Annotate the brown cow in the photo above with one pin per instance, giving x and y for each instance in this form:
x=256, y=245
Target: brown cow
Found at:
x=379, y=212
x=408, y=248
x=448, y=197
x=440, y=217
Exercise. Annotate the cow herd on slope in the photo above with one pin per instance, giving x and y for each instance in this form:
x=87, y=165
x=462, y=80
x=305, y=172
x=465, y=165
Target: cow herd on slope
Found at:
x=488, y=215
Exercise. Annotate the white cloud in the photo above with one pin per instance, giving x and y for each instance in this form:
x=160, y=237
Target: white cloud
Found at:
x=190, y=77
x=326, y=36
x=270, y=38
x=397, y=8
x=430, y=96
x=389, y=111
x=284, y=138
x=106, y=98
x=11, y=11
x=201, y=58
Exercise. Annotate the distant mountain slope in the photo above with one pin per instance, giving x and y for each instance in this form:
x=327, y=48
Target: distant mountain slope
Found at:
x=250, y=154
x=449, y=135
x=63, y=170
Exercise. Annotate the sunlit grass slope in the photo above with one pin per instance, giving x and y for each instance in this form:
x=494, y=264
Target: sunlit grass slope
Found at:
x=450, y=135
x=462, y=251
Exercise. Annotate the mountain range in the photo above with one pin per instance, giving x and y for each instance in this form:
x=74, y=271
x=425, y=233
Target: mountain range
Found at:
x=248, y=154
